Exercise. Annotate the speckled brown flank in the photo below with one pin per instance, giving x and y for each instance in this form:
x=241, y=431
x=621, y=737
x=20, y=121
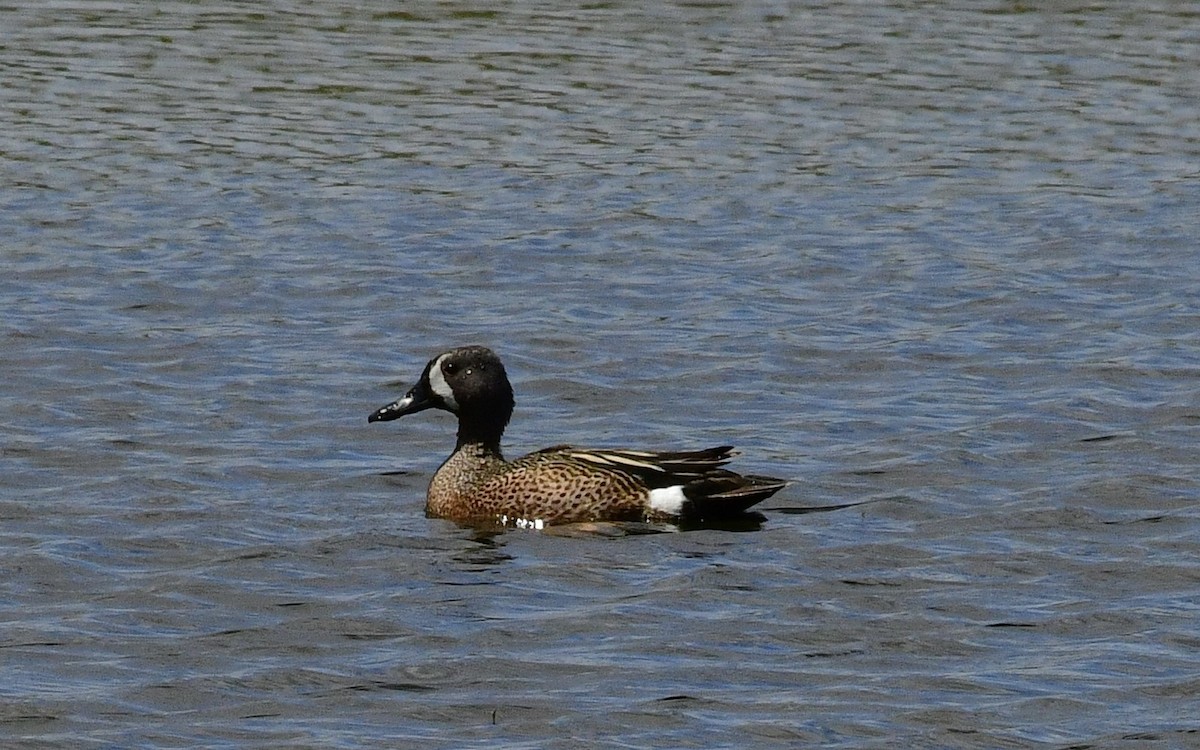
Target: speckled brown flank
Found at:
x=551, y=486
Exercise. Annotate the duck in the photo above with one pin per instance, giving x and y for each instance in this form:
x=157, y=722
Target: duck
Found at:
x=561, y=484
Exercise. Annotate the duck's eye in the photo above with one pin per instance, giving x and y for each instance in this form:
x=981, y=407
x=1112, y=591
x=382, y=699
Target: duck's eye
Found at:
x=449, y=368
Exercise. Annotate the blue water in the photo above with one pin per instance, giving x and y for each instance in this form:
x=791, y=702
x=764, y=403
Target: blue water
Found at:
x=937, y=266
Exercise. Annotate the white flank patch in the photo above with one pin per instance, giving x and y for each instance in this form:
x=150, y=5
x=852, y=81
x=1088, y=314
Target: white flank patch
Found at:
x=438, y=384
x=668, y=500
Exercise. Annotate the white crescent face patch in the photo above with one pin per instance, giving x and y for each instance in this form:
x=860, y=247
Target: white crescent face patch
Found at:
x=438, y=384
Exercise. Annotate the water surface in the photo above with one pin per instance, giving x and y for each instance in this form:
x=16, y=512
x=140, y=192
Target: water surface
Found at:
x=937, y=264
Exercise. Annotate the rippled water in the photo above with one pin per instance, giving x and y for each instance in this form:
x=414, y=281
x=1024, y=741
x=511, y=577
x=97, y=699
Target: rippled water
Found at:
x=934, y=263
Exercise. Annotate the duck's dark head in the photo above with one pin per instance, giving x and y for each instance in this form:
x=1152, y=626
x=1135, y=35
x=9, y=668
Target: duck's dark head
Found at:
x=469, y=381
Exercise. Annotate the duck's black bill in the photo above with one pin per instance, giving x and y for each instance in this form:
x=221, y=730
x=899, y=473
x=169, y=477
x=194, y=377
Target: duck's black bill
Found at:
x=414, y=401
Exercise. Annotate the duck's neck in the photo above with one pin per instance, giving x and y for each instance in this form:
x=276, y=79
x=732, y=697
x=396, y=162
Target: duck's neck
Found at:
x=477, y=456
x=479, y=437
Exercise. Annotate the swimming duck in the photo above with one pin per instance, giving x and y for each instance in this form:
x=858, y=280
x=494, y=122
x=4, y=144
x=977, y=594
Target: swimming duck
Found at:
x=562, y=484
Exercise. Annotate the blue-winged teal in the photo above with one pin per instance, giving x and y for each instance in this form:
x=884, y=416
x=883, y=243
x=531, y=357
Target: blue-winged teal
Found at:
x=560, y=484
